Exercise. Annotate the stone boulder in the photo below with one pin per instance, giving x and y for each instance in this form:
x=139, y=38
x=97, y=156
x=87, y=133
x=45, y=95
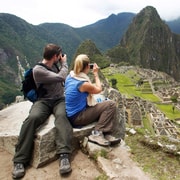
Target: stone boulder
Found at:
x=115, y=162
x=12, y=117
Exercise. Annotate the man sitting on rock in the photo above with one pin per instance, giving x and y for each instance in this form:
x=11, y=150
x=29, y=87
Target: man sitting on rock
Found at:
x=51, y=102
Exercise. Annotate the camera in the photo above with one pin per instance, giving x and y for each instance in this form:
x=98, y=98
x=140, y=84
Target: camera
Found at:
x=91, y=65
x=60, y=58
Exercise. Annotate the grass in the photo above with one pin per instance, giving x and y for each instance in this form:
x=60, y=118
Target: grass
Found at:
x=126, y=84
x=161, y=165
x=167, y=109
x=102, y=177
x=147, y=125
x=102, y=153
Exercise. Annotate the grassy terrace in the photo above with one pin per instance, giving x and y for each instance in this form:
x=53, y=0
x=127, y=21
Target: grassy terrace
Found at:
x=126, y=84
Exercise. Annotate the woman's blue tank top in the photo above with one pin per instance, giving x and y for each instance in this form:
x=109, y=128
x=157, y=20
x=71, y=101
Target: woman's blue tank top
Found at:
x=75, y=100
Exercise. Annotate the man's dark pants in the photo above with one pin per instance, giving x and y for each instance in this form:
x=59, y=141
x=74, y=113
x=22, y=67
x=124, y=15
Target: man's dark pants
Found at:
x=39, y=113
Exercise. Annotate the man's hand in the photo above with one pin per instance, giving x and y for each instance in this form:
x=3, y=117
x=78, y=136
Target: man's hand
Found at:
x=63, y=58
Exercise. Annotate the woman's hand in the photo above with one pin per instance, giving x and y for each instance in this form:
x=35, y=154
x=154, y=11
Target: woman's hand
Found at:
x=95, y=69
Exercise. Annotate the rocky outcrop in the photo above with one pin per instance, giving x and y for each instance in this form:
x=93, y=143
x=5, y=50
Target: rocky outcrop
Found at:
x=115, y=161
x=12, y=117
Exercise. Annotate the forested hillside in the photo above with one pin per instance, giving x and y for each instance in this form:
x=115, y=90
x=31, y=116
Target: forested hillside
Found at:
x=126, y=37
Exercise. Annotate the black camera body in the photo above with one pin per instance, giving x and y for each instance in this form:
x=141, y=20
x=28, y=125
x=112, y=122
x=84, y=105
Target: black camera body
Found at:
x=91, y=65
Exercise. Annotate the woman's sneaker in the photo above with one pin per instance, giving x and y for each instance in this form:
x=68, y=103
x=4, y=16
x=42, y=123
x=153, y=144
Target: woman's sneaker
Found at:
x=113, y=140
x=98, y=138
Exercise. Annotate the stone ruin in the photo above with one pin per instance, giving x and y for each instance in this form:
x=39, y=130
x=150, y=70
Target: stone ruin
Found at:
x=136, y=117
x=136, y=108
x=161, y=124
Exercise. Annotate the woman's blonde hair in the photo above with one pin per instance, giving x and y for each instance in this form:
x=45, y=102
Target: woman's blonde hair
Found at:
x=81, y=63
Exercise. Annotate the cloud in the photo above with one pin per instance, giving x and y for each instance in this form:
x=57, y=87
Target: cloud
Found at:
x=84, y=12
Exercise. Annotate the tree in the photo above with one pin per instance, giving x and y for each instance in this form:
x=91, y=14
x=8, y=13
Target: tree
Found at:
x=114, y=82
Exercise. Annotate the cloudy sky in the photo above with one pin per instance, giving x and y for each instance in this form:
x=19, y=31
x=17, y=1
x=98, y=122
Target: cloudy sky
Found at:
x=78, y=13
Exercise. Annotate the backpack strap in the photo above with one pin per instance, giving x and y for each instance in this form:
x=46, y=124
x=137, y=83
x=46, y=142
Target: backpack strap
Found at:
x=42, y=64
x=55, y=64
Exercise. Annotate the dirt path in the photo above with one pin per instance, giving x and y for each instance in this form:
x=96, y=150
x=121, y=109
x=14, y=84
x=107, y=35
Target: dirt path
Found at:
x=82, y=169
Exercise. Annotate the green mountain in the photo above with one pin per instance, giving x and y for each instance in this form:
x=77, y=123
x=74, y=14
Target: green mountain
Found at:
x=107, y=33
x=18, y=40
x=149, y=43
x=21, y=45
x=174, y=25
x=89, y=47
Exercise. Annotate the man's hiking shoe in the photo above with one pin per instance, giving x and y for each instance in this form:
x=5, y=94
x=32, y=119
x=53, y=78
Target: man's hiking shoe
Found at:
x=113, y=140
x=64, y=163
x=18, y=171
x=98, y=138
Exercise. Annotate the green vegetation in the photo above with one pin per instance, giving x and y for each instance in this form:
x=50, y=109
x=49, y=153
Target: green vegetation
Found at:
x=127, y=85
x=160, y=165
x=102, y=177
x=102, y=153
x=7, y=93
x=168, y=110
x=88, y=47
x=148, y=126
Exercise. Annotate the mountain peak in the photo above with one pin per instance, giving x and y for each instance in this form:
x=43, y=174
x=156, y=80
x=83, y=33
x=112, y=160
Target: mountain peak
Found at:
x=147, y=15
x=149, y=10
x=150, y=43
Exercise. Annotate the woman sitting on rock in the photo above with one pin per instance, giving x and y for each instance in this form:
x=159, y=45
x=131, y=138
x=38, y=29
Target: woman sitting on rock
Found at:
x=82, y=109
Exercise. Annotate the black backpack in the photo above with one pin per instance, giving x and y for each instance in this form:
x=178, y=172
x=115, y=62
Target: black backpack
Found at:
x=29, y=89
